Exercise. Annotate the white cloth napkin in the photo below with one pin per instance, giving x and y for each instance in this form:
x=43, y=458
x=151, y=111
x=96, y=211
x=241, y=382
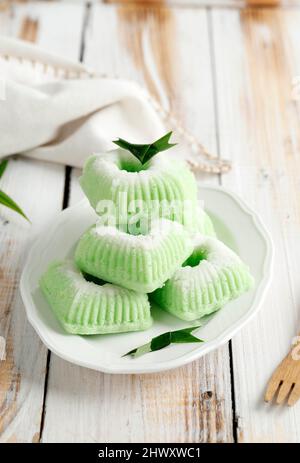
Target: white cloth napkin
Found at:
x=58, y=110
x=51, y=108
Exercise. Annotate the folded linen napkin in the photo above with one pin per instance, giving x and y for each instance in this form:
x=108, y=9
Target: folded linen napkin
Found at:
x=57, y=110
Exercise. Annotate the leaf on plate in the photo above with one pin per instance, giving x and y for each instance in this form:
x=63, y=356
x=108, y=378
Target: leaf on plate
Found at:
x=164, y=340
x=145, y=152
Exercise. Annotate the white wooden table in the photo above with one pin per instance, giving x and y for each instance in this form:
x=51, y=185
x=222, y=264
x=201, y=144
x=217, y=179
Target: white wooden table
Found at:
x=228, y=73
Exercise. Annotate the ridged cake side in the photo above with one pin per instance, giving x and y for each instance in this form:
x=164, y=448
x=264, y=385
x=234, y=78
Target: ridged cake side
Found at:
x=142, y=263
x=205, y=225
x=198, y=289
x=84, y=307
x=117, y=174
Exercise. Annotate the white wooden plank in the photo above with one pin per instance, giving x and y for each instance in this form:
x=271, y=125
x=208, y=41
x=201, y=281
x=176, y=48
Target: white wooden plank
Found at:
x=169, y=52
x=38, y=187
x=257, y=56
x=4, y=19
x=58, y=25
x=209, y=3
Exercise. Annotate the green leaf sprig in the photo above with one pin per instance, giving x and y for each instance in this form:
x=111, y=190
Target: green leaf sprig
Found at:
x=3, y=166
x=5, y=200
x=145, y=152
x=164, y=340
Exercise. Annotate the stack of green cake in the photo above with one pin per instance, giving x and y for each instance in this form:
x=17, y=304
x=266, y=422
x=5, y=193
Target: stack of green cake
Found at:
x=151, y=242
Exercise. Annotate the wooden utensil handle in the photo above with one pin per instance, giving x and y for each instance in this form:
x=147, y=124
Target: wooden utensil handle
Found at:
x=295, y=350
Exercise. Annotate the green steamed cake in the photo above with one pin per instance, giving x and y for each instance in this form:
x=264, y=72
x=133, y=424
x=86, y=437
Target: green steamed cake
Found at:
x=139, y=262
x=212, y=276
x=83, y=307
x=205, y=225
x=120, y=177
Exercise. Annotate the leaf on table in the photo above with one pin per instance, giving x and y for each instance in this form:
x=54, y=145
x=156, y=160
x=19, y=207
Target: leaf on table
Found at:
x=5, y=200
x=3, y=165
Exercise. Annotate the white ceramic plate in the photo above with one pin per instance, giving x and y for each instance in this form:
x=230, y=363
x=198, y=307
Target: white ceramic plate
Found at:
x=236, y=225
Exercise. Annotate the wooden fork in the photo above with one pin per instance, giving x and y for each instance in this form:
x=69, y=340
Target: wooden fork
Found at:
x=286, y=378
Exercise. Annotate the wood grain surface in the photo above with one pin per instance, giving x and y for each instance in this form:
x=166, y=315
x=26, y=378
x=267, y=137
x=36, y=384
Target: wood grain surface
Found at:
x=38, y=187
x=192, y=404
x=256, y=64
x=231, y=75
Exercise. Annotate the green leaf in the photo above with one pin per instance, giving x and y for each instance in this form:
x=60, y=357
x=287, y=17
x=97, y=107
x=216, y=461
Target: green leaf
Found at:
x=190, y=329
x=5, y=200
x=164, y=340
x=159, y=342
x=139, y=350
x=8, y=202
x=184, y=338
x=93, y=279
x=3, y=165
x=145, y=152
